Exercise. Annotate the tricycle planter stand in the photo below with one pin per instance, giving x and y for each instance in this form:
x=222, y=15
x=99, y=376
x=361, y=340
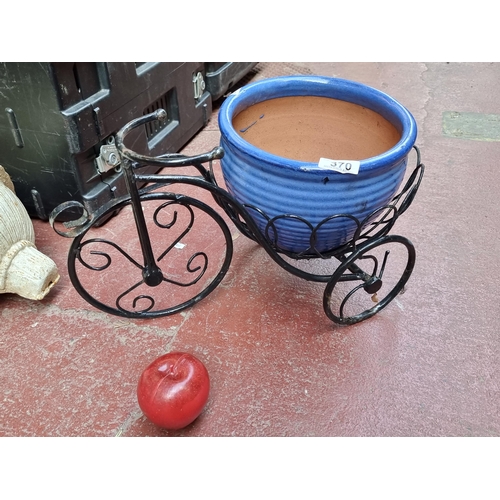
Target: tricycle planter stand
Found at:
x=296, y=209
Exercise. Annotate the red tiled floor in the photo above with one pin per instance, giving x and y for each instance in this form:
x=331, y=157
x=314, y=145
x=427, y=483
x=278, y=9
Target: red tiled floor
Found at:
x=427, y=365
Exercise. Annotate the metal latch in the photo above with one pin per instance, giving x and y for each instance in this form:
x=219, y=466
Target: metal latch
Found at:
x=108, y=157
x=199, y=85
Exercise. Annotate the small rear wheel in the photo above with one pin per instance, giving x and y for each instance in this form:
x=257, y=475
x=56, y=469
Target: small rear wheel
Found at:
x=368, y=279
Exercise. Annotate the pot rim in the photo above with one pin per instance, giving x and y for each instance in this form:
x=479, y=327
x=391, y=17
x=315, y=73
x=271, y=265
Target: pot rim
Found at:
x=319, y=86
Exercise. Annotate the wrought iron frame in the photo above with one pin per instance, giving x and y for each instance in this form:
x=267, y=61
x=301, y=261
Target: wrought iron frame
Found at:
x=371, y=232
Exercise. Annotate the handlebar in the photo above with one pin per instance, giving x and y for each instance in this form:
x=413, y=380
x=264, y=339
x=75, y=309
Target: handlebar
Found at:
x=167, y=160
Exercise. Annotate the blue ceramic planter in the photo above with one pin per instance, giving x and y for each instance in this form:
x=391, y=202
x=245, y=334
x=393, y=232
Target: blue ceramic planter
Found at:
x=281, y=186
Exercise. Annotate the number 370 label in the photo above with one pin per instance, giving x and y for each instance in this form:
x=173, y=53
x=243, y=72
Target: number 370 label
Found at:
x=342, y=166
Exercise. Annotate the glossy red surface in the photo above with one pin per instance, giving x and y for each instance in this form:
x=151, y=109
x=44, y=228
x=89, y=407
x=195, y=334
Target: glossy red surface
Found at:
x=173, y=390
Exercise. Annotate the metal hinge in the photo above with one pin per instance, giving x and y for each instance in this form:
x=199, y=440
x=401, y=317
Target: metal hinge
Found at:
x=199, y=85
x=108, y=158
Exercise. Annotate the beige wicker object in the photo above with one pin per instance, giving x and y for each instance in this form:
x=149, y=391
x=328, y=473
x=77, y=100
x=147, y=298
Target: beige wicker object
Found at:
x=23, y=269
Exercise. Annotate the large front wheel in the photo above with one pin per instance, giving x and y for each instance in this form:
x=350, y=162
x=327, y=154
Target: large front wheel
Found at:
x=368, y=279
x=191, y=244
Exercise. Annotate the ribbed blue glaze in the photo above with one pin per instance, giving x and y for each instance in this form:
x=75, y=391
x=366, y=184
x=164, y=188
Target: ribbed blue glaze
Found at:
x=279, y=185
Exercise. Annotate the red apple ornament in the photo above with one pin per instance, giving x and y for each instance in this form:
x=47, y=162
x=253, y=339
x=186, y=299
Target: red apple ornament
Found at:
x=173, y=390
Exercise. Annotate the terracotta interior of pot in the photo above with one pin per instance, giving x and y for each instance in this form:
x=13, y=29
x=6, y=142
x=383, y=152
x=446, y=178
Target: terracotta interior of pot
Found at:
x=307, y=128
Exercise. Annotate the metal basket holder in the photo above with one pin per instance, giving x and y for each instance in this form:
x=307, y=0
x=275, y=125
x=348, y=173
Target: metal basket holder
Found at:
x=361, y=264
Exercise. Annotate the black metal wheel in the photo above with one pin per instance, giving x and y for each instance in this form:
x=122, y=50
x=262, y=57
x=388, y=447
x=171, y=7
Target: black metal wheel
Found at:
x=368, y=279
x=192, y=248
